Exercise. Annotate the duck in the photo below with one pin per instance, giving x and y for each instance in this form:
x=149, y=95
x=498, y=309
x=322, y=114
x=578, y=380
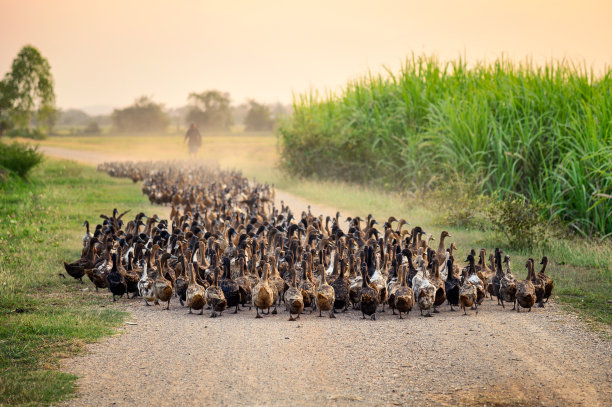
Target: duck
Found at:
x=182, y=281
x=341, y=289
x=438, y=283
x=425, y=292
x=76, y=269
x=115, y=280
x=324, y=295
x=131, y=276
x=395, y=282
x=538, y=285
x=231, y=289
x=525, y=290
x=549, y=284
x=215, y=297
x=276, y=282
x=441, y=252
x=355, y=284
x=507, y=288
x=468, y=291
x=307, y=287
x=294, y=300
x=195, y=294
x=163, y=287
x=476, y=281
x=86, y=238
x=404, y=296
x=244, y=283
x=452, y=284
x=499, y=275
x=368, y=296
x=146, y=285
x=263, y=295
x=485, y=273
x=98, y=273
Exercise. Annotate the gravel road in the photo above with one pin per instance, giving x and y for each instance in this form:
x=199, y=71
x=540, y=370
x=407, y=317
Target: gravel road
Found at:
x=545, y=357
x=498, y=357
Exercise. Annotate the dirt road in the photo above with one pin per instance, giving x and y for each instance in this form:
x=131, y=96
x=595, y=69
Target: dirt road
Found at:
x=545, y=357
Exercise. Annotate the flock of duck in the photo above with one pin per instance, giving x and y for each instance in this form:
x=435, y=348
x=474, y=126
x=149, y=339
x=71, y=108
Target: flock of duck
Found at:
x=228, y=246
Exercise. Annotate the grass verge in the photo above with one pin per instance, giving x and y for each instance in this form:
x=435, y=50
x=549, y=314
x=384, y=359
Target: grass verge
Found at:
x=43, y=317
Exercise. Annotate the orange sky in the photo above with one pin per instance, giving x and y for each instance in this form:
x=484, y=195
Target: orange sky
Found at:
x=109, y=52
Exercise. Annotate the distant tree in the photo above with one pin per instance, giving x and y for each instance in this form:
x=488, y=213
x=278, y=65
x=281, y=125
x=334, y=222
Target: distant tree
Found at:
x=27, y=91
x=73, y=117
x=143, y=115
x=210, y=110
x=259, y=117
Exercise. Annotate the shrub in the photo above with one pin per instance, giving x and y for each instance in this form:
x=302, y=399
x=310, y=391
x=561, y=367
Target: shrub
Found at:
x=19, y=158
x=461, y=204
x=522, y=223
x=33, y=133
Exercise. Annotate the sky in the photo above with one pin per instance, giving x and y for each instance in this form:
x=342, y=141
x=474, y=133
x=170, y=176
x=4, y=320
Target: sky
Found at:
x=107, y=53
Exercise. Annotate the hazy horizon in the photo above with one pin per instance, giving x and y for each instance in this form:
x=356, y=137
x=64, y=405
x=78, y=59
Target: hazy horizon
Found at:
x=108, y=54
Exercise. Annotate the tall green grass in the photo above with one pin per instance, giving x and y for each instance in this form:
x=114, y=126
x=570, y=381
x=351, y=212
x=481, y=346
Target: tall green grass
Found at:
x=513, y=128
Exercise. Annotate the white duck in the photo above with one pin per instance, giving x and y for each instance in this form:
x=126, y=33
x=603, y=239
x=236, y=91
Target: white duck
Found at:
x=146, y=285
x=425, y=292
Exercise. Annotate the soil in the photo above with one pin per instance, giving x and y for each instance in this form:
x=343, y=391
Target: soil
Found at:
x=496, y=357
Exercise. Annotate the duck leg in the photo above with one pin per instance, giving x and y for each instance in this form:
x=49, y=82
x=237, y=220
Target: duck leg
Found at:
x=213, y=314
x=257, y=310
x=274, y=312
x=436, y=310
x=114, y=298
x=190, y=310
x=235, y=312
x=452, y=310
x=81, y=280
x=400, y=314
x=291, y=317
x=331, y=315
x=202, y=311
x=373, y=317
x=168, y=307
x=541, y=304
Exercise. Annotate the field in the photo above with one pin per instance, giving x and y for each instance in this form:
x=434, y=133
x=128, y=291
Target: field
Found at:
x=512, y=129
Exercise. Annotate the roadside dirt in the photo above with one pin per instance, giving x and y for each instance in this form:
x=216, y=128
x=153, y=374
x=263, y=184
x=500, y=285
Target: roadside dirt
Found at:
x=498, y=357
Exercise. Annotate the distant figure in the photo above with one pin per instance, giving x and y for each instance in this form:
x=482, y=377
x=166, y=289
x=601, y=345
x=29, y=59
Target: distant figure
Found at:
x=194, y=139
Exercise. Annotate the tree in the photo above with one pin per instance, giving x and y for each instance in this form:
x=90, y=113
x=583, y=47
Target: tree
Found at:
x=143, y=115
x=210, y=110
x=27, y=90
x=259, y=117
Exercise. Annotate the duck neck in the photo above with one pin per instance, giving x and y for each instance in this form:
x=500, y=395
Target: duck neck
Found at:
x=544, y=264
x=441, y=246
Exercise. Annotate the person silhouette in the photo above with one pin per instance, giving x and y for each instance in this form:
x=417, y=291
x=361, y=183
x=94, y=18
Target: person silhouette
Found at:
x=194, y=139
